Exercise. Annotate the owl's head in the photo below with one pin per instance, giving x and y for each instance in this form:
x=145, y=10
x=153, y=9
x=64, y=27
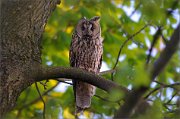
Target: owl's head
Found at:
x=89, y=28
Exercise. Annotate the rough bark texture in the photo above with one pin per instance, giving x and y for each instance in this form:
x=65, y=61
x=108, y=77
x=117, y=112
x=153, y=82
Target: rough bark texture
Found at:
x=22, y=24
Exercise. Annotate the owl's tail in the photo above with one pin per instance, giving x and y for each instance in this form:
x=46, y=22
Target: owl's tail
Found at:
x=83, y=94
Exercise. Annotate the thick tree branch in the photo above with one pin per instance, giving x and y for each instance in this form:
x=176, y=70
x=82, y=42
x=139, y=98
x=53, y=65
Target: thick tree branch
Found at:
x=78, y=74
x=135, y=96
x=167, y=53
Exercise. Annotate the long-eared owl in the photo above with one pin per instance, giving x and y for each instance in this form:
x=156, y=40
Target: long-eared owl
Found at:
x=86, y=53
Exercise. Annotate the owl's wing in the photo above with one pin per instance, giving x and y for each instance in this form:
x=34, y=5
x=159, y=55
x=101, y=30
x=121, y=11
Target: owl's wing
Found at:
x=100, y=63
x=73, y=58
x=100, y=55
x=72, y=52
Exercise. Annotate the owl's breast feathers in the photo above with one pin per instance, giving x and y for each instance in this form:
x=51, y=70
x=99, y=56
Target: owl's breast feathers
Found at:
x=85, y=53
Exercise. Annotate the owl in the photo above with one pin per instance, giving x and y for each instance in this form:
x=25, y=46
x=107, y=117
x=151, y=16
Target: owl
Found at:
x=86, y=53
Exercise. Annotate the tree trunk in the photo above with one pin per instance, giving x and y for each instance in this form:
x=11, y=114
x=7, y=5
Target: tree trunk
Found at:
x=22, y=25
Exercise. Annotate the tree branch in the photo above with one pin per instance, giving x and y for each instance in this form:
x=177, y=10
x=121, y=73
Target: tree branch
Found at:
x=167, y=53
x=156, y=36
x=135, y=96
x=78, y=74
x=162, y=86
x=38, y=98
x=104, y=99
x=22, y=25
x=124, y=43
x=61, y=80
x=107, y=72
x=137, y=7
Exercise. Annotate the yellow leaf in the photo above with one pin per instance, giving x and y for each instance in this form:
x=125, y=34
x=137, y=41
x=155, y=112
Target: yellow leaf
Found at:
x=69, y=29
x=98, y=13
x=39, y=105
x=118, y=1
x=56, y=94
x=15, y=112
x=87, y=114
x=64, y=53
x=67, y=114
x=52, y=82
x=50, y=30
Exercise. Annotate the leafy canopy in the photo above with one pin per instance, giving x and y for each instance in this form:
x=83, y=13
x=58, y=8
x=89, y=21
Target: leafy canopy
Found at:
x=119, y=20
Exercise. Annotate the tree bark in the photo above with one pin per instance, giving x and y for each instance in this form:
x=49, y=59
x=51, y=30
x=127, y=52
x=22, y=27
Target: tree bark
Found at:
x=22, y=25
x=78, y=74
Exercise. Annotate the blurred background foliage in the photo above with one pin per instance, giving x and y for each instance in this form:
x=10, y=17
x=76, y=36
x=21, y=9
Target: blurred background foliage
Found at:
x=119, y=20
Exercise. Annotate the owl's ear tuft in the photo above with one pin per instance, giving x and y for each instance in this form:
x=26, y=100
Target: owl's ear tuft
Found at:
x=83, y=18
x=95, y=19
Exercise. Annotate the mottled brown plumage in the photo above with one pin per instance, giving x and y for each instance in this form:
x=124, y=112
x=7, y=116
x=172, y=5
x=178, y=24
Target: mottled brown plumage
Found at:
x=86, y=53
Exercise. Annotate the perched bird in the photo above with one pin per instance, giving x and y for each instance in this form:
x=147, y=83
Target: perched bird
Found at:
x=86, y=53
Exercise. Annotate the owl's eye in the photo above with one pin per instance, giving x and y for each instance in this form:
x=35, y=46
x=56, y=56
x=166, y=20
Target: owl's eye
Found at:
x=92, y=27
x=83, y=28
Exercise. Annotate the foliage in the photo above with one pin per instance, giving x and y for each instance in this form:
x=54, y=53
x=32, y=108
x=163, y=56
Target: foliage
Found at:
x=119, y=20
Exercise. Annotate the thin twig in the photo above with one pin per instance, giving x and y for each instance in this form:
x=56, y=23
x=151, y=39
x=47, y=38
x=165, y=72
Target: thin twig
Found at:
x=135, y=9
x=107, y=72
x=160, y=83
x=156, y=36
x=160, y=87
x=168, y=85
x=124, y=43
x=171, y=98
x=106, y=99
x=167, y=107
x=135, y=96
x=61, y=80
x=151, y=92
x=37, y=99
x=159, y=31
x=44, y=108
x=174, y=111
x=164, y=39
x=44, y=84
x=24, y=100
